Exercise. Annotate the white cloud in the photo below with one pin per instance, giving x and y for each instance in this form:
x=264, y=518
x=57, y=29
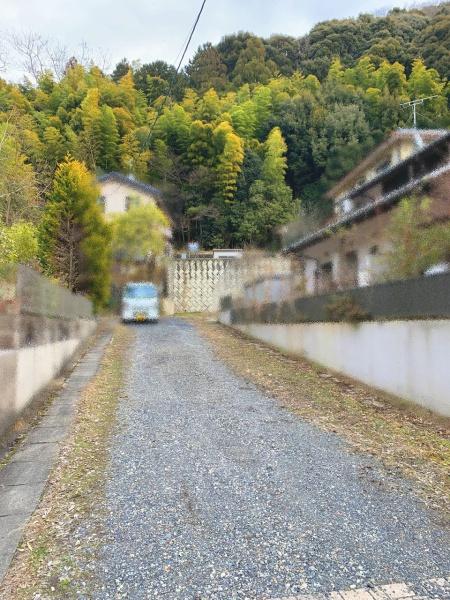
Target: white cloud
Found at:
x=156, y=29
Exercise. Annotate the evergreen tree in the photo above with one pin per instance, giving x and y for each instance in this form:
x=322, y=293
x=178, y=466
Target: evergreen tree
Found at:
x=55, y=146
x=252, y=66
x=109, y=153
x=229, y=163
x=156, y=88
x=91, y=134
x=270, y=203
x=433, y=44
x=330, y=112
x=206, y=70
x=120, y=70
x=74, y=238
x=175, y=82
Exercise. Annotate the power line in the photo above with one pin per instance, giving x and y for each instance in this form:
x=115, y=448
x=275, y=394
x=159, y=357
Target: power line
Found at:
x=186, y=48
x=192, y=34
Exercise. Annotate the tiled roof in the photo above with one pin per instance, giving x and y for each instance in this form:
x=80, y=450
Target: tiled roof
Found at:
x=420, y=137
x=133, y=183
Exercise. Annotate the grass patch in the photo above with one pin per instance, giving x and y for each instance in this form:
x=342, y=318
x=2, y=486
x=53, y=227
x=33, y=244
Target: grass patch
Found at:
x=51, y=559
x=409, y=440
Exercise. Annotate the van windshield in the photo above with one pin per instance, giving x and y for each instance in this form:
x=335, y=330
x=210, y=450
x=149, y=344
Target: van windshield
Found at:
x=140, y=291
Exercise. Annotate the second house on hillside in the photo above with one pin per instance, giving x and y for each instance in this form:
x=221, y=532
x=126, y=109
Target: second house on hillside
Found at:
x=347, y=251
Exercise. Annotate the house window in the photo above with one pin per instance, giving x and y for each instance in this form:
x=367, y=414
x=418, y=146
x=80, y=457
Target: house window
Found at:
x=373, y=251
x=132, y=201
x=324, y=278
x=351, y=269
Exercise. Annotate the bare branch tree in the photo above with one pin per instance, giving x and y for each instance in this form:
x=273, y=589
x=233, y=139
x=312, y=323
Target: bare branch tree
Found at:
x=38, y=55
x=58, y=57
x=103, y=60
x=3, y=56
x=32, y=50
x=88, y=57
x=84, y=53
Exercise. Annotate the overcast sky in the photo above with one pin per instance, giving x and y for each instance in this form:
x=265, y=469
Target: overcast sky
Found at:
x=156, y=29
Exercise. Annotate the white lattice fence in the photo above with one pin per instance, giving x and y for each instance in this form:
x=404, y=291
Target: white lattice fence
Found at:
x=193, y=283
x=197, y=284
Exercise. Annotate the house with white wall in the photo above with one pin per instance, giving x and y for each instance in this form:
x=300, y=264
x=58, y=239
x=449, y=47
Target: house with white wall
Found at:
x=346, y=251
x=118, y=192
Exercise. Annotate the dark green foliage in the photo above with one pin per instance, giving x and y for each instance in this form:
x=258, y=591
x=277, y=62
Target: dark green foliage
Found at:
x=285, y=51
x=434, y=42
x=120, y=70
x=206, y=70
x=294, y=119
x=231, y=46
x=252, y=65
x=159, y=78
x=400, y=35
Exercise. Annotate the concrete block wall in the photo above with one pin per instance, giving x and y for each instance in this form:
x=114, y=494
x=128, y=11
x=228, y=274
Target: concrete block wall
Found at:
x=401, y=346
x=41, y=327
x=408, y=359
x=24, y=372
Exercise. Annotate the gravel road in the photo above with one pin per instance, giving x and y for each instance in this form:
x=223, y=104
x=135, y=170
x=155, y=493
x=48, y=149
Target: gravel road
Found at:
x=215, y=492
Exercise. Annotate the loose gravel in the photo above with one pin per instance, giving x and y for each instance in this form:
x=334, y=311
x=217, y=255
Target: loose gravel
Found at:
x=216, y=492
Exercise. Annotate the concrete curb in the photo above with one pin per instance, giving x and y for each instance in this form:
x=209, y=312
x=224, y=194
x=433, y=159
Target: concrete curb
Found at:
x=23, y=479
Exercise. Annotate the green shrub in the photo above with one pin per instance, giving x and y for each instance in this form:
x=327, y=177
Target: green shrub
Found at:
x=417, y=242
x=344, y=308
x=18, y=244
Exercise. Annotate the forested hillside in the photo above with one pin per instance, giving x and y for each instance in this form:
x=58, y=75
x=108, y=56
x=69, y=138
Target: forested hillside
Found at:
x=401, y=35
x=250, y=132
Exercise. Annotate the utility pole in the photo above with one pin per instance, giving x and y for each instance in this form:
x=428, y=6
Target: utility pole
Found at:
x=414, y=104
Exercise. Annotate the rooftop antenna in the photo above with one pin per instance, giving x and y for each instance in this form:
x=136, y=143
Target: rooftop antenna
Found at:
x=415, y=104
